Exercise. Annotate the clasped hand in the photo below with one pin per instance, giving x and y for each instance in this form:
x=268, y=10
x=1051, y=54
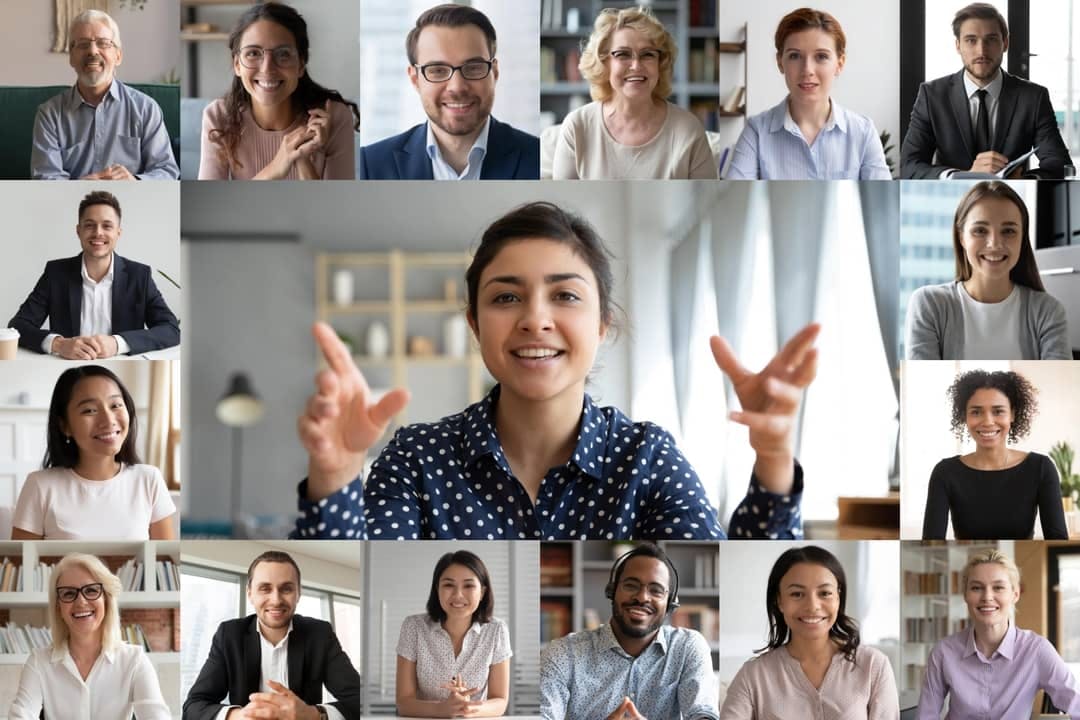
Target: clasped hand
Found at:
x=85, y=347
x=460, y=702
x=300, y=143
x=279, y=704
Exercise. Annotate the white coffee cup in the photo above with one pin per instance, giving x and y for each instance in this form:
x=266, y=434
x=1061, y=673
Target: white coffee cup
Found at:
x=9, y=343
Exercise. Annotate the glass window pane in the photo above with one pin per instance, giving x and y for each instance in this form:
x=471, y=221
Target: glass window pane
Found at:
x=207, y=598
x=1055, y=27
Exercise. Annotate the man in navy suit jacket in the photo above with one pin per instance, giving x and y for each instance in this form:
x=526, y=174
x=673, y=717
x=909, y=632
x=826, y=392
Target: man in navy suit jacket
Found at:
x=452, y=65
x=98, y=304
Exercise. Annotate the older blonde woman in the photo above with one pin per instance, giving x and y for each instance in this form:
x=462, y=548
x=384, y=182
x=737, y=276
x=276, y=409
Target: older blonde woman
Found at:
x=87, y=672
x=630, y=130
x=992, y=668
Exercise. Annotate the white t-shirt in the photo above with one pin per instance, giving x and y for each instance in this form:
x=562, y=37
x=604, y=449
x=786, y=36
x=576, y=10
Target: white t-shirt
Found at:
x=60, y=505
x=991, y=330
x=424, y=642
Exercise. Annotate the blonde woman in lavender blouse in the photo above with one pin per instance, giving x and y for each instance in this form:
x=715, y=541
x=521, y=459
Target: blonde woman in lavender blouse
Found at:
x=992, y=668
x=275, y=122
x=813, y=660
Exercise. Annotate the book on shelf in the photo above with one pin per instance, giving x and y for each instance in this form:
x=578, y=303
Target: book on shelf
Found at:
x=705, y=570
x=130, y=575
x=133, y=634
x=555, y=566
x=703, y=13
x=555, y=620
x=19, y=639
x=708, y=113
x=931, y=583
x=703, y=618
x=734, y=99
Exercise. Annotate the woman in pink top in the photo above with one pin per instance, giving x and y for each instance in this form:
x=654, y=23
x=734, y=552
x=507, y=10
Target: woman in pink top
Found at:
x=275, y=122
x=813, y=660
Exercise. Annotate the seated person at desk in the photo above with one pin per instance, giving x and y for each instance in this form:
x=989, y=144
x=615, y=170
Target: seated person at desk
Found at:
x=98, y=304
x=981, y=118
x=100, y=129
x=633, y=666
x=274, y=664
x=453, y=67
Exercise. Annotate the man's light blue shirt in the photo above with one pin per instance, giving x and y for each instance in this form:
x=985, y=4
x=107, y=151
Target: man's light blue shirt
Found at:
x=771, y=147
x=73, y=138
x=441, y=170
x=586, y=675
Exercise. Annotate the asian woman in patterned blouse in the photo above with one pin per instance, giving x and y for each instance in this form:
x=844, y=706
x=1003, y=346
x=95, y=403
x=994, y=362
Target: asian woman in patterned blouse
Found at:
x=537, y=458
x=454, y=659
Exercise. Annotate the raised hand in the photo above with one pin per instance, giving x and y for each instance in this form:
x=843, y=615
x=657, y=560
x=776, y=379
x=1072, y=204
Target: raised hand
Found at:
x=770, y=400
x=341, y=420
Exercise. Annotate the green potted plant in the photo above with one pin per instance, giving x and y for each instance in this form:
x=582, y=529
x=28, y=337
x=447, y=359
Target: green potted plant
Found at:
x=1062, y=454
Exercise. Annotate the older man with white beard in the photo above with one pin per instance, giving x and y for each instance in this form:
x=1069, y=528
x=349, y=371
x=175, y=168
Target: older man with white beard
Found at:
x=100, y=129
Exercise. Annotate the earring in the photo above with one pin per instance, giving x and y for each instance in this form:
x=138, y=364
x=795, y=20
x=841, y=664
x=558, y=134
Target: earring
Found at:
x=67, y=439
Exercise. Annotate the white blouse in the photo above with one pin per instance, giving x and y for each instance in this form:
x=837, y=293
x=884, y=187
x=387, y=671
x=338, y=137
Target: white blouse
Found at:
x=424, y=642
x=121, y=682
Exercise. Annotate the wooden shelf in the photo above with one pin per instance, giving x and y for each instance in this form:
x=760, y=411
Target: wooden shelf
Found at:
x=869, y=518
x=204, y=37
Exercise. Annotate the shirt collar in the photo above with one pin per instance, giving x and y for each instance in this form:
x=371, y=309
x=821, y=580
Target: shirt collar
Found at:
x=108, y=275
x=780, y=119
x=1006, y=649
x=480, y=144
x=62, y=654
x=75, y=99
x=606, y=639
x=993, y=89
x=481, y=439
x=263, y=638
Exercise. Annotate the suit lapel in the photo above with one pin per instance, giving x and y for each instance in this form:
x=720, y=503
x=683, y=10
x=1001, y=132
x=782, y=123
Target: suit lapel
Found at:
x=1005, y=110
x=962, y=113
x=501, y=157
x=411, y=161
x=252, y=662
x=296, y=661
x=75, y=283
x=119, y=286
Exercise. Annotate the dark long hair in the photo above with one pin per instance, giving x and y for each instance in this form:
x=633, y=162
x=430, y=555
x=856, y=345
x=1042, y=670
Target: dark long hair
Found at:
x=1025, y=272
x=307, y=96
x=845, y=632
x=59, y=450
x=476, y=567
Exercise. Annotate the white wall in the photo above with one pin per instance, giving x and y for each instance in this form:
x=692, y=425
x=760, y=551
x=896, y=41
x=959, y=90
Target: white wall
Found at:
x=41, y=218
x=870, y=81
x=149, y=36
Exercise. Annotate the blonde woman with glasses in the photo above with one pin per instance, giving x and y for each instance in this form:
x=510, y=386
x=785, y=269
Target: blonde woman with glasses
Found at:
x=87, y=672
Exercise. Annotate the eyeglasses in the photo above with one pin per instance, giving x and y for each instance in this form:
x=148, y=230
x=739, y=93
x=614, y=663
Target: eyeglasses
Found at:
x=442, y=72
x=625, y=56
x=655, y=590
x=91, y=592
x=251, y=56
x=101, y=43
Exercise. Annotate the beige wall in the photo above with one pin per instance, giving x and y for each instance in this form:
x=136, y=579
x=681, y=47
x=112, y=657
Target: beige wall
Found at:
x=150, y=36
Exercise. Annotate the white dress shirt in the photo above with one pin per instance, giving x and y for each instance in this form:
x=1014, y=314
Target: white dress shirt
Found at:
x=274, y=665
x=121, y=682
x=993, y=94
x=95, y=318
x=442, y=170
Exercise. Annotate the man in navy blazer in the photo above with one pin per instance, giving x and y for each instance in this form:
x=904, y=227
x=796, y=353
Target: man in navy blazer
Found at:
x=98, y=303
x=452, y=65
x=981, y=118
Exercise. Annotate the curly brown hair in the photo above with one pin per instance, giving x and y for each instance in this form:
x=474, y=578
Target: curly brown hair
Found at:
x=1019, y=391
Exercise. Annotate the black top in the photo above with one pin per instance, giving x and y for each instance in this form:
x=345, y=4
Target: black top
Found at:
x=994, y=504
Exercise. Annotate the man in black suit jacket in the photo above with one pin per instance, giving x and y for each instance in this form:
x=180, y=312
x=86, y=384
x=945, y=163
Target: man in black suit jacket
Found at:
x=452, y=65
x=301, y=653
x=98, y=303
x=967, y=132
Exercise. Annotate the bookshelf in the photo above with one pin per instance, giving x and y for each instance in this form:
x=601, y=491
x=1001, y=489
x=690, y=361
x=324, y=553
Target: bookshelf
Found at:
x=194, y=33
x=155, y=606
x=411, y=295
x=932, y=604
x=573, y=575
x=565, y=26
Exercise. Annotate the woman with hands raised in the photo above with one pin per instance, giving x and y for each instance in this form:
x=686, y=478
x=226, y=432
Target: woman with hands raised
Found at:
x=537, y=458
x=275, y=122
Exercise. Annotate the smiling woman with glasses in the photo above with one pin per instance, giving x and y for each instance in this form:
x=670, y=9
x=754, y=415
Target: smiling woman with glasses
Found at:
x=631, y=131
x=275, y=122
x=87, y=671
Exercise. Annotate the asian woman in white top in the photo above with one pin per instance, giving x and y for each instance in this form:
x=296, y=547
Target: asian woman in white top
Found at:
x=997, y=307
x=92, y=484
x=454, y=660
x=87, y=672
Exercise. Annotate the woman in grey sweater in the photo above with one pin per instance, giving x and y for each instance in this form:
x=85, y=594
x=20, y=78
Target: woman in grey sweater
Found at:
x=997, y=308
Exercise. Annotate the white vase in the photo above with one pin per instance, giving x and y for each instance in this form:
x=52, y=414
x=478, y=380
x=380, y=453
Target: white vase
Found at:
x=343, y=287
x=377, y=340
x=455, y=336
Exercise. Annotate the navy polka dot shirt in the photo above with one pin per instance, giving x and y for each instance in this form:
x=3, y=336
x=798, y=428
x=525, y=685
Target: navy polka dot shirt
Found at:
x=450, y=480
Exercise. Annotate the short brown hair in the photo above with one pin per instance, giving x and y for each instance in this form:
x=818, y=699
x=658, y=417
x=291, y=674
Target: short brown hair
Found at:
x=979, y=11
x=809, y=19
x=275, y=556
x=450, y=15
x=100, y=197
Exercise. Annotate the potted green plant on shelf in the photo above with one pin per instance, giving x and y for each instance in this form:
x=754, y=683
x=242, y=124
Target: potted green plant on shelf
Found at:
x=1062, y=454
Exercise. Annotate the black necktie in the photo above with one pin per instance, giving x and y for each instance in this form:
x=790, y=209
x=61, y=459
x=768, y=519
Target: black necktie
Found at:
x=982, y=124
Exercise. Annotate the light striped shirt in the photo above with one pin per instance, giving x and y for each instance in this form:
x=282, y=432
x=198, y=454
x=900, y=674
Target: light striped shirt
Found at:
x=772, y=147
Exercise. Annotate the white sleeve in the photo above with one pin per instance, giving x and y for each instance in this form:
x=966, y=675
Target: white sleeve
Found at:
x=30, y=507
x=161, y=504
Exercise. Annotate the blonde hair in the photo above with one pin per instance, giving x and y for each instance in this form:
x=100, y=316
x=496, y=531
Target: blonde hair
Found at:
x=92, y=16
x=991, y=556
x=110, y=625
x=595, y=70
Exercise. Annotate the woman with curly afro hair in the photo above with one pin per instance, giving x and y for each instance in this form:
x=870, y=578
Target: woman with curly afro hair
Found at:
x=994, y=492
